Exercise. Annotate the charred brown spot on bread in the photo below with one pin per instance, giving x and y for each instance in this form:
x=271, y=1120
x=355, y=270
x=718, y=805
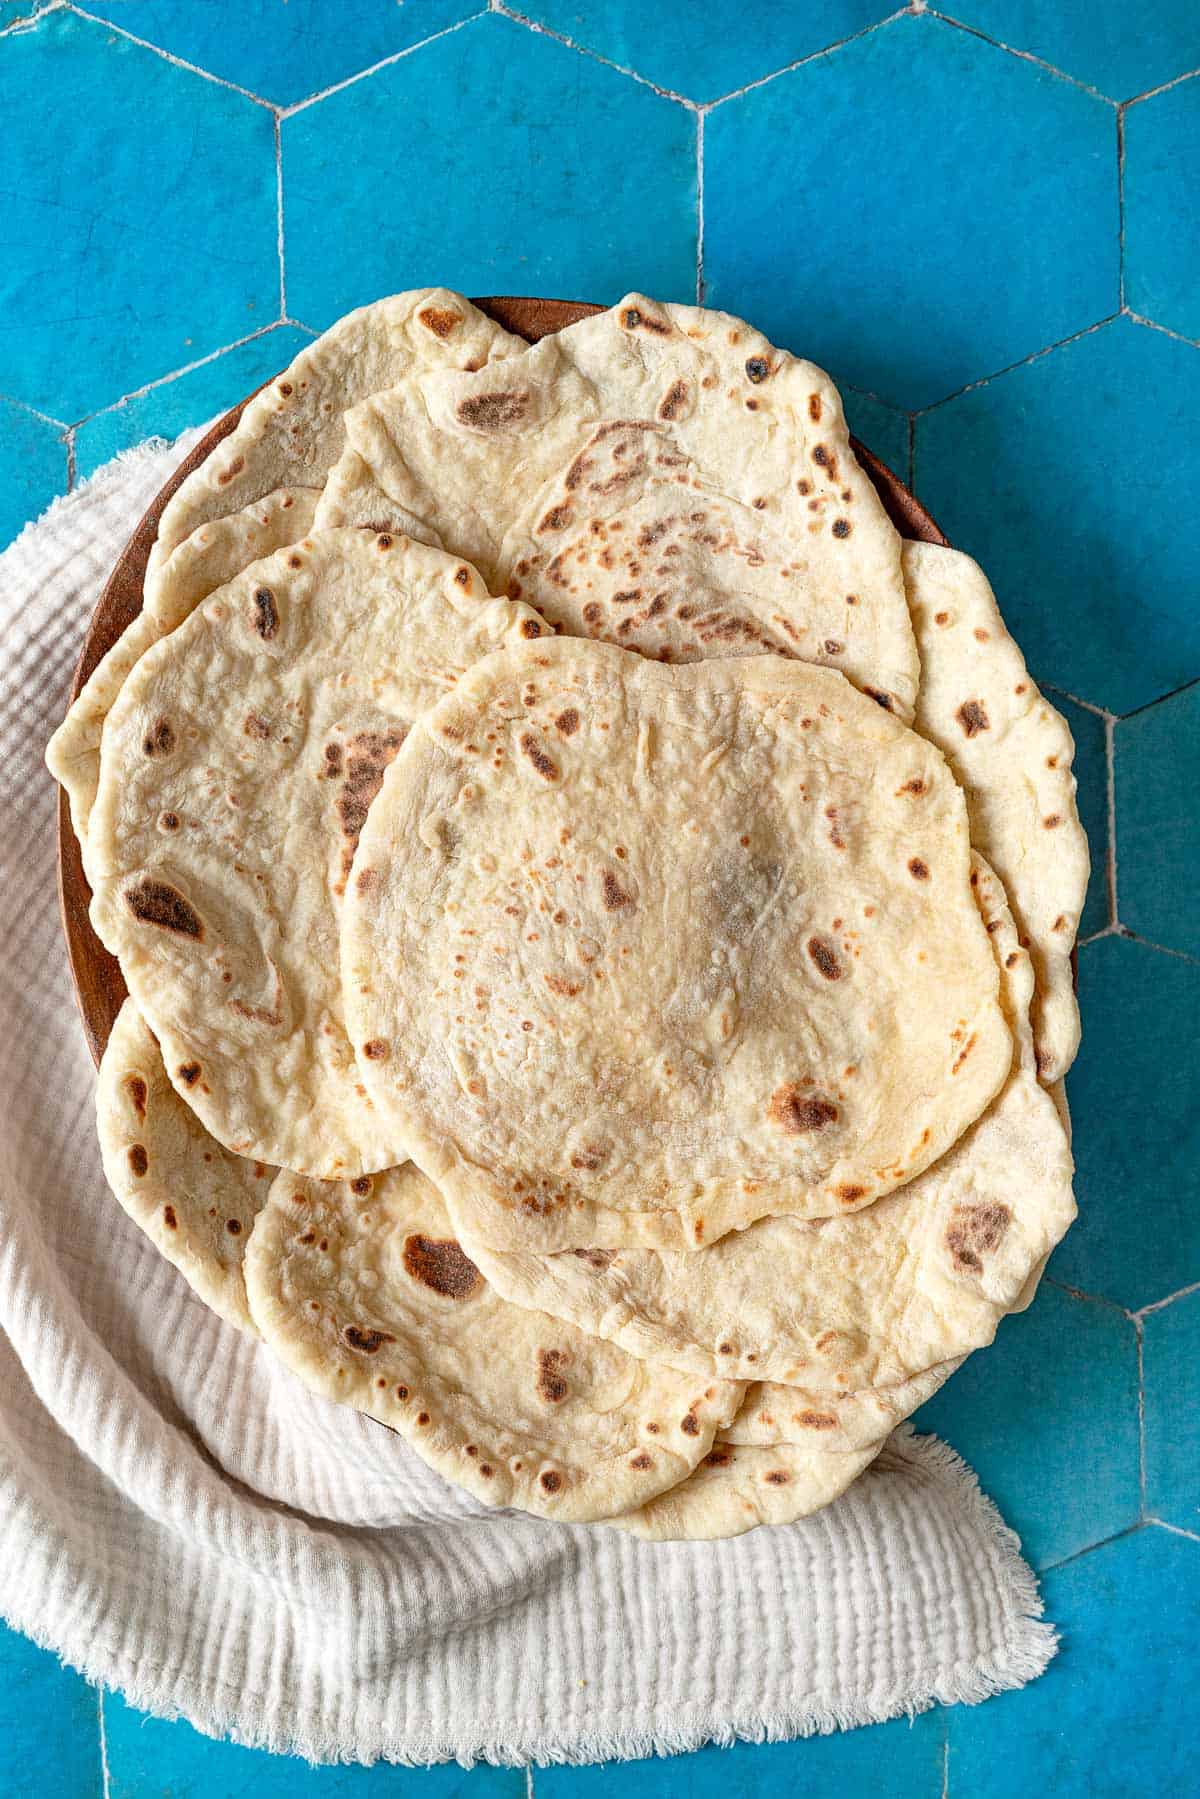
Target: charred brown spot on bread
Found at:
x=567, y=722
x=285, y=388
x=964, y=1052
x=169, y=1218
x=916, y=785
x=847, y=1192
x=367, y=1342
x=486, y=1470
x=530, y=628
x=256, y=726
x=441, y=320
x=422, y=1417
x=674, y=401
x=368, y=754
x=634, y=319
x=559, y=984
x=815, y=1420
x=234, y=1226
x=972, y=716
x=361, y=1185
x=159, y=739
x=1011, y=960
x=825, y=958
x=550, y=1480
x=614, y=895
x=974, y=1232
x=154, y=902
x=593, y=612
x=375, y=1049
x=796, y=1109
x=917, y=869
x=757, y=369
x=493, y=412
x=1052, y=823
x=718, y=1458
x=139, y=1161
x=235, y=468
x=266, y=613
x=168, y=821
x=441, y=1264
x=814, y=408
x=545, y=765
x=135, y=1086
x=557, y=519
x=188, y=1073
x=552, y=1383
x=880, y=698
x=366, y=880
x=841, y=527
x=642, y=1462
x=689, y=1424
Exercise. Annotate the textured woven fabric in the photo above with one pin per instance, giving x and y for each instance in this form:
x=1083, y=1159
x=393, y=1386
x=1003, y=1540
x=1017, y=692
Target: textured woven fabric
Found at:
x=182, y=1521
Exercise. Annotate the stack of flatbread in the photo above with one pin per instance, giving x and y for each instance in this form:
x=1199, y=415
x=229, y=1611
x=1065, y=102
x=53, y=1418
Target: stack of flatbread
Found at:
x=597, y=912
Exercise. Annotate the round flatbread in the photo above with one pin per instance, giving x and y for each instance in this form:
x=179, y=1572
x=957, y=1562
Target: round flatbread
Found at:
x=362, y=1290
x=1011, y=753
x=237, y=766
x=657, y=476
x=291, y=433
x=841, y=1304
x=194, y=1200
x=639, y=954
x=838, y=1422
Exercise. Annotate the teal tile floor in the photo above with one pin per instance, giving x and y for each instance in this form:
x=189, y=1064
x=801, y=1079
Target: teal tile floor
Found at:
x=984, y=224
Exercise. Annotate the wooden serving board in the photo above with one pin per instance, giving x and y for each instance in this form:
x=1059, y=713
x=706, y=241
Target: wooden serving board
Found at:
x=99, y=986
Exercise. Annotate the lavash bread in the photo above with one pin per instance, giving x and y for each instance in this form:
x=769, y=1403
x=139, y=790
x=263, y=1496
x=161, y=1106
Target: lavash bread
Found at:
x=237, y=765
x=362, y=1291
x=636, y=954
x=658, y=476
x=291, y=433
x=839, y=1304
x=195, y=1201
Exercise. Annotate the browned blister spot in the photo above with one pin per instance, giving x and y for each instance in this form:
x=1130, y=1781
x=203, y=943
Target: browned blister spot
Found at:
x=848, y=1193
x=234, y=1226
x=559, y=984
x=634, y=319
x=718, y=1458
x=462, y=576
x=674, y=401
x=841, y=527
x=159, y=739
x=256, y=726
x=641, y=1462
x=266, y=613
x=795, y=1109
x=964, y=1052
x=916, y=785
x=757, y=369
x=552, y=1383
x=530, y=628
x=550, y=1480
x=234, y=468
x=441, y=1264
x=545, y=765
x=917, y=869
x=972, y=716
x=815, y=1420
x=825, y=958
x=368, y=754
x=492, y=412
x=367, y=1342
x=154, y=902
x=974, y=1232
x=614, y=895
x=777, y=1477
x=689, y=1424
x=567, y=722
x=441, y=320
x=169, y=1218
x=557, y=519
x=361, y=1185
x=139, y=1161
x=135, y=1086
x=375, y=1049
x=1053, y=821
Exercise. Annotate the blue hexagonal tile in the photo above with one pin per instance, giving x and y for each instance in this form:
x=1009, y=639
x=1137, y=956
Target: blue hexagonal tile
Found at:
x=516, y=166
x=900, y=1760
x=1135, y=1099
x=1110, y=1717
x=1171, y=1377
x=1091, y=775
x=1072, y=480
x=49, y=1725
x=1157, y=755
x=880, y=427
x=914, y=211
x=705, y=51
x=188, y=400
x=148, y=1757
x=1162, y=168
x=285, y=52
x=33, y=467
x=127, y=251
x=1123, y=50
x=1055, y=1393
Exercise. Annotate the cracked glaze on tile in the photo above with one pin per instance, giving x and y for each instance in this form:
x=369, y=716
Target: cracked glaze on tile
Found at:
x=987, y=227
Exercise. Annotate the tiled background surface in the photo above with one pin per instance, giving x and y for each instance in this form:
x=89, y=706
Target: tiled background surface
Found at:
x=986, y=227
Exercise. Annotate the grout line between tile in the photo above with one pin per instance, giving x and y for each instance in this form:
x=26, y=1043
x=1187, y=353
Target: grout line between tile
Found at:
x=1176, y=1530
x=1101, y=1543
x=106, y=1777
x=1066, y=694
x=31, y=19
x=286, y=112
x=24, y=406
x=137, y=393
x=529, y=1782
x=1110, y=930
x=945, y=1755
x=1164, y=949
x=279, y=215
x=69, y=442
x=700, y=208
x=1164, y=87
x=177, y=62
x=1121, y=203
x=1141, y=1367
x=1021, y=362
x=1110, y=798
x=1160, y=1305
x=570, y=43
x=1023, y=56
x=736, y=93
x=1139, y=318
x=1159, y=698
x=1092, y=1299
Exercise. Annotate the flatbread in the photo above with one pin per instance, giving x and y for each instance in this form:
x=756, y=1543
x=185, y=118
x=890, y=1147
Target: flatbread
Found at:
x=735, y=1489
x=846, y=1303
x=658, y=476
x=838, y=1422
x=194, y=1200
x=1011, y=753
x=291, y=433
x=362, y=1291
x=237, y=765
x=638, y=954
x=214, y=554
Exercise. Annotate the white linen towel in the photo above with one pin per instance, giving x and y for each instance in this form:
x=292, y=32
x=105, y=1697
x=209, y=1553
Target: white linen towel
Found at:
x=180, y=1520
